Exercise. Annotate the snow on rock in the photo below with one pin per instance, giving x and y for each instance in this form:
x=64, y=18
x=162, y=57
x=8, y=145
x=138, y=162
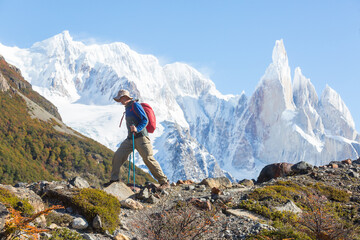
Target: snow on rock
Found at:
x=201, y=132
x=336, y=116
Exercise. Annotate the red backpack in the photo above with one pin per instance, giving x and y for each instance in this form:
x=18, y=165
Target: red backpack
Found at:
x=151, y=125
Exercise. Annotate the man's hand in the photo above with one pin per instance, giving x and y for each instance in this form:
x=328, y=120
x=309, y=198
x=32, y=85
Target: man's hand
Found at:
x=133, y=129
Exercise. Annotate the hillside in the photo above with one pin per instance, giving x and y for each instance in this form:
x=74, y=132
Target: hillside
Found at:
x=34, y=143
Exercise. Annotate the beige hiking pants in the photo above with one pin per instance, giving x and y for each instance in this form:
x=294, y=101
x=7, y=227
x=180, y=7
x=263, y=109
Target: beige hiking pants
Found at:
x=144, y=147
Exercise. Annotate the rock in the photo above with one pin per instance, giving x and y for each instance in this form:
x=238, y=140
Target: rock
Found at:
x=301, y=168
x=79, y=182
x=152, y=200
x=216, y=191
x=121, y=236
x=247, y=183
x=290, y=207
x=4, y=213
x=32, y=197
x=180, y=182
x=88, y=236
x=20, y=184
x=200, y=188
x=221, y=182
x=119, y=190
x=201, y=203
x=79, y=223
x=274, y=170
x=334, y=166
x=143, y=194
x=4, y=86
x=45, y=235
x=357, y=161
x=97, y=223
x=132, y=204
x=353, y=174
x=245, y=213
x=53, y=226
x=190, y=187
x=347, y=161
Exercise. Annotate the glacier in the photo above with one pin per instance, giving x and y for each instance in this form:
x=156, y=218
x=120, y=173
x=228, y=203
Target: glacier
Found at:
x=201, y=132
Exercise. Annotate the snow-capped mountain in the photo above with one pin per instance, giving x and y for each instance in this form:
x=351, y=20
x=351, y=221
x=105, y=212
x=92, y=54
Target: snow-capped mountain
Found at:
x=201, y=132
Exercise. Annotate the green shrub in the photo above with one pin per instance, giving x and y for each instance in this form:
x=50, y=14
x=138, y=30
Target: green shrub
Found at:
x=92, y=202
x=262, y=210
x=59, y=219
x=283, y=231
x=65, y=234
x=331, y=193
x=22, y=205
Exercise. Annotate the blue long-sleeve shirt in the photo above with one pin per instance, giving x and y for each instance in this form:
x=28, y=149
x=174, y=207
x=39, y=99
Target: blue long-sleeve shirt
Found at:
x=135, y=115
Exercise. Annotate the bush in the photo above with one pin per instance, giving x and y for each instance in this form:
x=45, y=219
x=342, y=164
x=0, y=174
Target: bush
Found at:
x=19, y=227
x=320, y=222
x=65, y=234
x=262, y=210
x=183, y=221
x=92, y=202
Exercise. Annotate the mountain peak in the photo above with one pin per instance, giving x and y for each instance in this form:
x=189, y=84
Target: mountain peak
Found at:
x=279, y=55
x=335, y=110
x=303, y=90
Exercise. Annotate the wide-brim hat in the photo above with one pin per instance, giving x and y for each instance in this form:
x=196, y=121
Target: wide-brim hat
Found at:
x=122, y=93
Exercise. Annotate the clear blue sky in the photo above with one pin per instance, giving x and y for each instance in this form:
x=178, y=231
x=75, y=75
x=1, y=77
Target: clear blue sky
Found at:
x=231, y=41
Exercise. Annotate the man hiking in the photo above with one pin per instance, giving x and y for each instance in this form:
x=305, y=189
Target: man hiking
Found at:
x=136, y=121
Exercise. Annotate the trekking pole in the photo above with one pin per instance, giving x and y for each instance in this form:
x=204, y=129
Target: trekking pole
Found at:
x=129, y=168
x=133, y=157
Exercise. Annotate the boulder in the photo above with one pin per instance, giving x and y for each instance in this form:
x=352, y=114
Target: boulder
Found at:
x=247, y=183
x=290, y=207
x=333, y=165
x=143, y=194
x=97, y=223
x=35, y=201
x=79, y=182
x=121, y=236
x=301, y=168
x=79, y=223
x=180, y=182
x=357, y=161
x=132, y=204
x=221, y=182
x=274, y=170
x=119, y=190
x=347, y=161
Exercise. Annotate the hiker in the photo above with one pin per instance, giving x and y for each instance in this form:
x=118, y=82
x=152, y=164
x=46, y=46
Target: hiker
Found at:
x=136, y=121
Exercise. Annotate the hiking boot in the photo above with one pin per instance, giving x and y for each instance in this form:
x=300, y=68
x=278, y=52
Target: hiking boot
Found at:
x=164, y=185
x=109, y=183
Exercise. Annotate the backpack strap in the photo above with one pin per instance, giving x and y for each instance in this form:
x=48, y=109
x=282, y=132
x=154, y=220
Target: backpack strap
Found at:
x=133, y=109
x=122, y=118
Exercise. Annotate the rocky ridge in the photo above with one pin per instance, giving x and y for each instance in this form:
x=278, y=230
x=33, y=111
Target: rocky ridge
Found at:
x=217, y=194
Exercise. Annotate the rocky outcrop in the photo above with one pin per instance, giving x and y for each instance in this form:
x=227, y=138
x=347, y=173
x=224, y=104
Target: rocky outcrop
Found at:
x=4, y=86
